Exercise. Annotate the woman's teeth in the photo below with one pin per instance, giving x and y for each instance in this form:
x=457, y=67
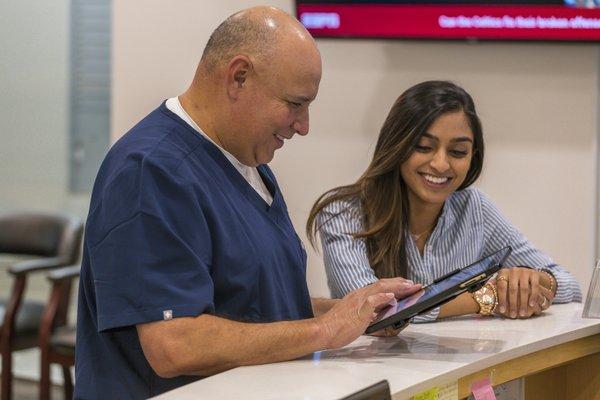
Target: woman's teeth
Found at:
x=435, y=179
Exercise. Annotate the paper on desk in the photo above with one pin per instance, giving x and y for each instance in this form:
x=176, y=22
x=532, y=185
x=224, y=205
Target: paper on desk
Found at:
x=446, y=392
x=591, y=308
x=512, y=390
x=482, y=390
x=430, y=394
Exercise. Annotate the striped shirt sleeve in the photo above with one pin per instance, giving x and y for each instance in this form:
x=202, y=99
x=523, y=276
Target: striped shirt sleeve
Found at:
x=499, y=232
x=346, y=261
x=345, y=258
x=429, y=316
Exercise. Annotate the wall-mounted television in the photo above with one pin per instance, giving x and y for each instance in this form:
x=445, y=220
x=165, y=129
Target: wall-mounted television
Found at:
x=552, y=20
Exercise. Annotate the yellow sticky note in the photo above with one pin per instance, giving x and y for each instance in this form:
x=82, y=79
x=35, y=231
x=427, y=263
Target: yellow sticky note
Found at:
x=431, y=394
x=448, y=392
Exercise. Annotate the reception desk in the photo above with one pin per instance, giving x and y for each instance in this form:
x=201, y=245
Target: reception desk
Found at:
x=558, y=353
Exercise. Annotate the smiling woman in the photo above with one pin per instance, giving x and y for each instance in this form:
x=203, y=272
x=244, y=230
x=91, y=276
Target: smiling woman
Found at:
x=440, y=161
x=412, y=213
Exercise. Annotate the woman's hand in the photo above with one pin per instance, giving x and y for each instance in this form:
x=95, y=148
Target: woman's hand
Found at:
x=522, y=292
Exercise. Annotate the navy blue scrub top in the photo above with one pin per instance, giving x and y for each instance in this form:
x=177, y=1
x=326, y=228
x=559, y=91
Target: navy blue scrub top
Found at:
x=175, y=231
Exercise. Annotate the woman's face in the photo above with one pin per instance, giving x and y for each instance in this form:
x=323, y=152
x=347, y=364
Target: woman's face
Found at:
x=441, y=160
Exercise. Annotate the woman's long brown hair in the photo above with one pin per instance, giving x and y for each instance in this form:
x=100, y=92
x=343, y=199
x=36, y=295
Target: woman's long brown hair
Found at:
x=381, y=190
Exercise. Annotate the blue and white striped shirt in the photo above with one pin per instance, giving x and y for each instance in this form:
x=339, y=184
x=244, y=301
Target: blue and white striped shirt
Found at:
x=469, y=227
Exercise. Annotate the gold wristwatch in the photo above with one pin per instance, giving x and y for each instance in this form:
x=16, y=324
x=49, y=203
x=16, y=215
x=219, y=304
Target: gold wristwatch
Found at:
x=487, y=298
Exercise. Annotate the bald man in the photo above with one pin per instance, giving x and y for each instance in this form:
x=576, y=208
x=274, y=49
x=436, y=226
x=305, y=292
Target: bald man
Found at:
x=191, y=265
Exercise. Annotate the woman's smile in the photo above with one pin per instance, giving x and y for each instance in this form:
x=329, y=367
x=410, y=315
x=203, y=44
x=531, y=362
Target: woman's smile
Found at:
x=434, y=181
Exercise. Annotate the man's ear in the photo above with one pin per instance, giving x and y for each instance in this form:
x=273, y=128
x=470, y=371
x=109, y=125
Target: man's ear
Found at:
x=238, y=72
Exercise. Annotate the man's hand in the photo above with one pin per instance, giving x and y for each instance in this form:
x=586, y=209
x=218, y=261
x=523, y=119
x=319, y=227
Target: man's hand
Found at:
x=349, y=317
x=208, y=344
x=321, y=305
x=522, y=292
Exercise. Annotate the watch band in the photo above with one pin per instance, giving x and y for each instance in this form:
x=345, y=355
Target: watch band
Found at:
x=552, y=278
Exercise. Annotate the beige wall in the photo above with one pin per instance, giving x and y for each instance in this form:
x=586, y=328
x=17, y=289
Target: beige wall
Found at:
x=538, y=104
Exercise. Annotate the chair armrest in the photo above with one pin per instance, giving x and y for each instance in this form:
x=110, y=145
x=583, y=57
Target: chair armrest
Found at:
x=38, y=264
x=63, y=273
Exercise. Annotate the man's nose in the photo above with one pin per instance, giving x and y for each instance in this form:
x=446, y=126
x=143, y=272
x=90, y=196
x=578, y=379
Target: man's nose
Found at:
x=301, y=123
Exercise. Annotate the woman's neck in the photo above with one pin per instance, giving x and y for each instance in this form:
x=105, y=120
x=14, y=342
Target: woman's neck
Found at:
x=422, y=216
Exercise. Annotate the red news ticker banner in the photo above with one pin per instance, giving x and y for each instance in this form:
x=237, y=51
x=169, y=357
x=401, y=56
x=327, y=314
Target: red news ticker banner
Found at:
x=452, y=22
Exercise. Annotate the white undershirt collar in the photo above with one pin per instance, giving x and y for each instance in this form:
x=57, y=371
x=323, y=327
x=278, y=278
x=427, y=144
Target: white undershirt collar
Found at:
x=250, y=174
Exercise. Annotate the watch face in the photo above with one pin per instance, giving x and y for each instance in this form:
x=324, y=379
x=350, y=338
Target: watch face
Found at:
x=487, y=299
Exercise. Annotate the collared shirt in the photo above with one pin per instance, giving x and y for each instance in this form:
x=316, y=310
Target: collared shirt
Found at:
x=469, y=227
x=250, y=174
x=175, y=231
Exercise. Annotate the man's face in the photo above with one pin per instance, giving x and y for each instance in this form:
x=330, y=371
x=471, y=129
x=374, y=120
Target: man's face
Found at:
x=275, y=105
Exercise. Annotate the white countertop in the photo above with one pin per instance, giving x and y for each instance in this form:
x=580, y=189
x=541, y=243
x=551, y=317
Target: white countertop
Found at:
x=422, y=356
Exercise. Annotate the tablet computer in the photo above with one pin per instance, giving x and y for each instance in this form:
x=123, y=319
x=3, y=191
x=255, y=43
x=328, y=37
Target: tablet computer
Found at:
x=442, y=290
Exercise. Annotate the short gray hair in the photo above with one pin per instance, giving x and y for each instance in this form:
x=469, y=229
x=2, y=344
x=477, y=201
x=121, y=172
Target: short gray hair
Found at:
x=236, y=35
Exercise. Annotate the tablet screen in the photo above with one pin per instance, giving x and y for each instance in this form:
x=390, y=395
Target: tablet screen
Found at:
x=430, y=291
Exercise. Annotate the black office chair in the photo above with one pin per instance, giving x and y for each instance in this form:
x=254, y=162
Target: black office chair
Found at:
x=57, y=336
x=54, y=241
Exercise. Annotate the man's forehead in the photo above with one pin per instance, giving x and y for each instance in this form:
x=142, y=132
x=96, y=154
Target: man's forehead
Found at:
x=300, y=80
x=302, y=88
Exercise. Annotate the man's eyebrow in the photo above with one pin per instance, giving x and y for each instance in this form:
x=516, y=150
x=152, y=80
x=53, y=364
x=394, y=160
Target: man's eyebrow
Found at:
x=455, y=140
